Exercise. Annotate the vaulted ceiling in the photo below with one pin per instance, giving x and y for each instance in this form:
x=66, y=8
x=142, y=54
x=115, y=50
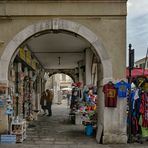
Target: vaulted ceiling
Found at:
x=58, y=50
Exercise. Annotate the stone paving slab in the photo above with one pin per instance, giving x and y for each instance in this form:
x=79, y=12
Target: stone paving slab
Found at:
x=58, y=132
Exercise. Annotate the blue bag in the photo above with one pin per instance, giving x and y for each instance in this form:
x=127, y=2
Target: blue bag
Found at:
x=89, y=130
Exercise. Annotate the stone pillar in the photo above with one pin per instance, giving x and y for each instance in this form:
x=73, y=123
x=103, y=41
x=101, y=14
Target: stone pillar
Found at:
x=88, y=64
x=76, y=74
x=112, y=121
x=115, y=132
x=94, y=74
x=38, y=93
x=43, y=84
x=56, y=89
x=81, y=71
x=100, y=104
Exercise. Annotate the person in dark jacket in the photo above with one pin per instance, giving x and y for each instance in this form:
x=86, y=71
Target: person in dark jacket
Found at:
x=49, y=99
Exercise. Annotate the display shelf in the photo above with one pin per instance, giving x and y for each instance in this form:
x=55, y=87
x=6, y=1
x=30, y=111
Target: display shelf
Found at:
x=18, y=129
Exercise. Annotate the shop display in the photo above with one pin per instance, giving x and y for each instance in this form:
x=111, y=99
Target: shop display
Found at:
x=22, y=98
x=18, y=104
x=18, y=128
x=9, y=108
x=138, y=109
x=122, y=88
x=83, y=107
x=1, y=103
x=27, y=98
x=110, y=93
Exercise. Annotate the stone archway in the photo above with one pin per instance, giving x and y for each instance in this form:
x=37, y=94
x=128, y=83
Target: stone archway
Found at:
x=79, y=29
x=69, y=72
x=55, y=24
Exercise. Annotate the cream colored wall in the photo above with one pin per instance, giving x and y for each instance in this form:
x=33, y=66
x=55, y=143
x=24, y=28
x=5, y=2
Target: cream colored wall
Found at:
x=106, y=19
x=63, y=7
x=110, y=30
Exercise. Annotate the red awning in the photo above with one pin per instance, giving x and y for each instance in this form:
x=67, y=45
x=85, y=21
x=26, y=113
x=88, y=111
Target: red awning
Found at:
x=137, y=72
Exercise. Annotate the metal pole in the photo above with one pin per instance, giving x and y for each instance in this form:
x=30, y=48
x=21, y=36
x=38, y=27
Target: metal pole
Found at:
x=129, y=101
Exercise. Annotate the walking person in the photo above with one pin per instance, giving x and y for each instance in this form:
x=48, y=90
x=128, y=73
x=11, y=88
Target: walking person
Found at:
x=68, y=97
x=49, y=98
x=43, y=102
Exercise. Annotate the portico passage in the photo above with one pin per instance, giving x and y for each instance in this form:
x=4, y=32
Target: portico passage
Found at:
x=57, y=46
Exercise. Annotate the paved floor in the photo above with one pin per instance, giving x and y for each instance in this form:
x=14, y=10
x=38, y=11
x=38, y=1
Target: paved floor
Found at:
x=57, y=129
x=58, y=132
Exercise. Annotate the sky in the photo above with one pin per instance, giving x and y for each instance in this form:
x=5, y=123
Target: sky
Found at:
x=137, y=27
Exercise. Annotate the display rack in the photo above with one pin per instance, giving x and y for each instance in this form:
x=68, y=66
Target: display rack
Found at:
x=19, y=129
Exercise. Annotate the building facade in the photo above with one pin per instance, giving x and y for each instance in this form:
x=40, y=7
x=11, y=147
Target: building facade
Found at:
x=99, y=27
x=142, y=63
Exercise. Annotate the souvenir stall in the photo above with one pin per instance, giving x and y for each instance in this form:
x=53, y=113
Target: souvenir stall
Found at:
x=6, y=111
x=21, y=87
x=88, y=109
x=139, y=109
x=5, y=106
x=26, y=68
x=27, y=98
x=22, y=97
x=75, y=99
x=137, y=102
x=18, y=123
x=83, y=107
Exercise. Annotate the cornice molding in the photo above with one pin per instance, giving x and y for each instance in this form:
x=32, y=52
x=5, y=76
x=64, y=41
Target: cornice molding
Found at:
x=78, y=1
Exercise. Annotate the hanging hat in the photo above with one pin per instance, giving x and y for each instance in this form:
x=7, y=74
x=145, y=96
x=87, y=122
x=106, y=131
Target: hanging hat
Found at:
x=133, y=86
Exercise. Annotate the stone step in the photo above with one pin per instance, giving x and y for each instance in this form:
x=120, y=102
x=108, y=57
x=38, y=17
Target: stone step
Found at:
x=53, y=145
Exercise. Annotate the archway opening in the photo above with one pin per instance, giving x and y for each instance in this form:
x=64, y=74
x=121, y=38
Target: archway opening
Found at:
x=61, y=84
x=43, y=55
x=79, y=54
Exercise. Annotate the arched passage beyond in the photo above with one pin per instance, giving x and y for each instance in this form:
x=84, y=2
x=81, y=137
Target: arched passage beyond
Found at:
x=69, y=72
x=79, y=29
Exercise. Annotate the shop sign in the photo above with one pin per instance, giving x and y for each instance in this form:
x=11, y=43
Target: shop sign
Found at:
x=22, y=53
x=34, y=62
x=28, y=57
x=3, y=88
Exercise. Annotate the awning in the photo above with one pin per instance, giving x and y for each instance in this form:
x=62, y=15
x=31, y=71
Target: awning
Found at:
x=137, y=72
